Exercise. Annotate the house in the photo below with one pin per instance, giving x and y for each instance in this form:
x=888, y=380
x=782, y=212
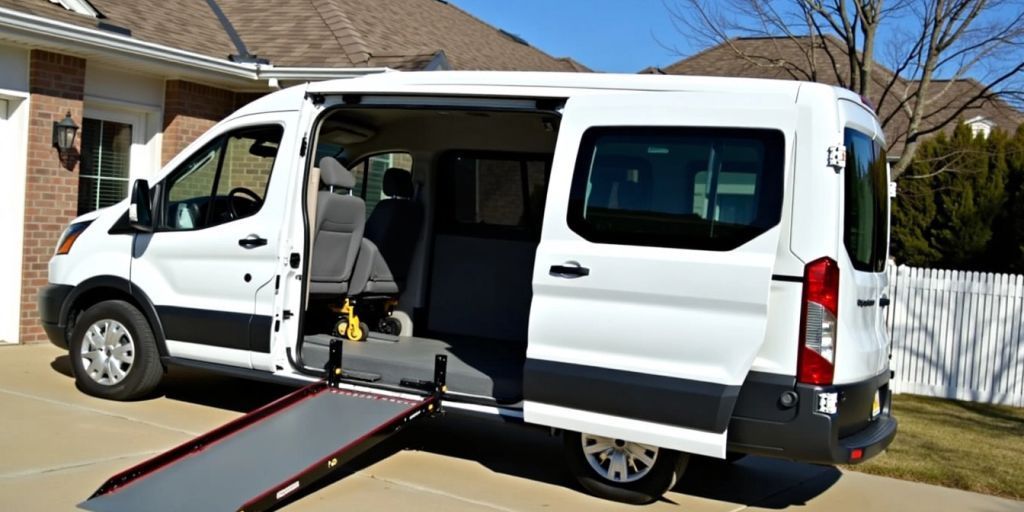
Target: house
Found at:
x=804, y=58
x=142, y=79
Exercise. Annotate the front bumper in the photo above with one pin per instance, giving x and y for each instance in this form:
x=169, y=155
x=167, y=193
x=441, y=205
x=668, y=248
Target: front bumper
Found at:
x=50, y=302
x=804, y=431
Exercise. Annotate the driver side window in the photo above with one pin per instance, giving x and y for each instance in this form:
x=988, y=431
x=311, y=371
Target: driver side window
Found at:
x=226, y=180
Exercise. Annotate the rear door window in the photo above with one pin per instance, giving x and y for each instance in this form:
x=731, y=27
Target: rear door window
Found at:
x=689, y=188
x=866, y=216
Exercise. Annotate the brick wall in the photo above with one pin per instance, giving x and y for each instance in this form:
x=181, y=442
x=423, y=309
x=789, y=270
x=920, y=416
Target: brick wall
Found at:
x=189, y=110
x=56, y=85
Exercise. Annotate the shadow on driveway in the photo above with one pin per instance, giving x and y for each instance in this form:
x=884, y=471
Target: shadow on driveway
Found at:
x=514, y=450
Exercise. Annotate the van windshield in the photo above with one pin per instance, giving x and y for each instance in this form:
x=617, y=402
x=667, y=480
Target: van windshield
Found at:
x=866, y=223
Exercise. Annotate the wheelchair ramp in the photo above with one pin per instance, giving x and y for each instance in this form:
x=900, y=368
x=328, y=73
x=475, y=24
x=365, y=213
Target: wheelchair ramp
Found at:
x=261, y=459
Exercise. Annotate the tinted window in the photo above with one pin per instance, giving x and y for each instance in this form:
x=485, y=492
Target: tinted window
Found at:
x=224, y=181
x=866, y=220
x=694, y=188
x=493, y=193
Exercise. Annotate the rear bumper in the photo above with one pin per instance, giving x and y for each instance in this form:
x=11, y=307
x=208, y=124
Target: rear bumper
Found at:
x=50, y=301
x=805, y=432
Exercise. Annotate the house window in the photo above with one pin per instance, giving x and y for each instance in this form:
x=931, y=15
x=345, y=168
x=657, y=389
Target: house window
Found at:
x=103, y=175
x=980, y=127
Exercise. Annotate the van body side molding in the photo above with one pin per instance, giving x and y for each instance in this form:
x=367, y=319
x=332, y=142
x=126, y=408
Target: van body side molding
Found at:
x=690, y=404
x=241, y=331
x=788, y=279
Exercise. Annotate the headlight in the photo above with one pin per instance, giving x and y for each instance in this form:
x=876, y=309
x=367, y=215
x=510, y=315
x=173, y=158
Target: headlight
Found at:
x=70, y=235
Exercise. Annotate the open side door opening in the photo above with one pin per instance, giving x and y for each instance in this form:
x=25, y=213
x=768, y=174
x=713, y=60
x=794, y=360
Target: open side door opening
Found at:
x=651, y=283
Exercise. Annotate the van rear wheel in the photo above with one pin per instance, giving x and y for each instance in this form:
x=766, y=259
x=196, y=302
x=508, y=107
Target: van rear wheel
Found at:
x=621, y=470
x=113, y=352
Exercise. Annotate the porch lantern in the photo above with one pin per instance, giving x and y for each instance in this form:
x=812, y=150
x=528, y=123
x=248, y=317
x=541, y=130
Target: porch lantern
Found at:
x=64, y=134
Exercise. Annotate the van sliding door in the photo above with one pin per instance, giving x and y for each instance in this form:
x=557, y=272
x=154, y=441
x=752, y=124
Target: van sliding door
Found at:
x=651, y=281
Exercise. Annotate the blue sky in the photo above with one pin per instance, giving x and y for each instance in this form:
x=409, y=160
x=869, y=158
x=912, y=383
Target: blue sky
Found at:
x=606, y=35
x=629, y=35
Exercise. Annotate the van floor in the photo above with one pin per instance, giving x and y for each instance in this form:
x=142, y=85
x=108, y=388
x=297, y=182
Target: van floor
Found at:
x=482, y=368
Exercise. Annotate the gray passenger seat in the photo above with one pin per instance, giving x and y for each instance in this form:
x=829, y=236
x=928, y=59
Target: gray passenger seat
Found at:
x=340, y=222
x=395, y=223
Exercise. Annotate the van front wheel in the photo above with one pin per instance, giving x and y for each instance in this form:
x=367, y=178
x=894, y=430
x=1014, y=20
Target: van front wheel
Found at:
x=113, y=352
x=620, y=470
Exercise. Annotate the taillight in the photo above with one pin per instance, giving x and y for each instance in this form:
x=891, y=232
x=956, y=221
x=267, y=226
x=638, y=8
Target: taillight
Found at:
x=817, y=357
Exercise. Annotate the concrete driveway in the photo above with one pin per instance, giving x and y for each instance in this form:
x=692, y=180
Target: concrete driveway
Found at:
x=58, y=445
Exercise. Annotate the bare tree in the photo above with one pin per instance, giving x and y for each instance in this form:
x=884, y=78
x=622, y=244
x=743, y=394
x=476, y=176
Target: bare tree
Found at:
x=975, y=42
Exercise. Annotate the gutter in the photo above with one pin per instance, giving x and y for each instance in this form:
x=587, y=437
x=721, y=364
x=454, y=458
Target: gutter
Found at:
x=37, y=27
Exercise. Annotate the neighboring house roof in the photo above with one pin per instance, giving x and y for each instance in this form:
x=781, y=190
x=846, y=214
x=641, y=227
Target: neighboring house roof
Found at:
x=793, y=58
x=402, y=34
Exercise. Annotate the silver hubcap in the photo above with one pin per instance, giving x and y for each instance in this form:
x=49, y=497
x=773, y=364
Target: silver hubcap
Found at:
x=617, y=460
x=108, y=352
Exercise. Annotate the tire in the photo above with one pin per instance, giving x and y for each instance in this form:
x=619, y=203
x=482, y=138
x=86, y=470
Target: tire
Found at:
x=404, y=320
x=389, y=326
x=125, y=363
x=648, y=486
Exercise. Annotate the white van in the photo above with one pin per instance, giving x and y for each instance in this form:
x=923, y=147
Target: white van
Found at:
x=654, y=266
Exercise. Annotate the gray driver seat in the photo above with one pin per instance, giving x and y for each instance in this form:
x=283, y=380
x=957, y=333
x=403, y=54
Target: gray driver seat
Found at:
x=338, y=234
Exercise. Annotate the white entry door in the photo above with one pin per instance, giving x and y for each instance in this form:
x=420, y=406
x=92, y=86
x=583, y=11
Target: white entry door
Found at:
x=210, y=266
x=10, y=256
x=114, y=150
x=651, y=281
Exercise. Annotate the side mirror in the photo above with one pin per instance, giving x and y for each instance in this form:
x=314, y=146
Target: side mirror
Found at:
x=140, y=209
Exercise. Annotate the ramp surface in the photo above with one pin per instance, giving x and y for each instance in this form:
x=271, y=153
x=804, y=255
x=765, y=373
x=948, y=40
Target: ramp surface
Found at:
x=262, y=458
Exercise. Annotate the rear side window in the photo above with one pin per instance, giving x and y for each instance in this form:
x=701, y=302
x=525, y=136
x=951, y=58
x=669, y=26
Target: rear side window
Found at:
x=688, y=188
x=499, y=194
x=866, y=219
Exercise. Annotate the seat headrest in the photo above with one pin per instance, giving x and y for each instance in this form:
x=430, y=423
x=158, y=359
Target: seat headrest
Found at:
x=333, y=174
x=398, y=183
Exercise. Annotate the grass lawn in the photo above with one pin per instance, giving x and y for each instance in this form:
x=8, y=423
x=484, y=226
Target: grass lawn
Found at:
x=966, y=445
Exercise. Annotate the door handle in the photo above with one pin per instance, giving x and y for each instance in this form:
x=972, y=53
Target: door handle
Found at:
x=569, y=270
x=884, y=301
x=252, y=241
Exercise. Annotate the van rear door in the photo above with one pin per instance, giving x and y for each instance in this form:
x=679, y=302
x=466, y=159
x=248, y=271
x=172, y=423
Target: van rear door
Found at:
x=651, y=281
x=862, y=344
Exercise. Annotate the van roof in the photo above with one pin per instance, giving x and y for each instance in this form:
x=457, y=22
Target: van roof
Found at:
x=564, y=83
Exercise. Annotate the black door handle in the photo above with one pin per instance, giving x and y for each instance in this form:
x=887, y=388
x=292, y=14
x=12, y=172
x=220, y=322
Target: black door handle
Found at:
x=569, y=271
x=884, y=301
x=252, y=241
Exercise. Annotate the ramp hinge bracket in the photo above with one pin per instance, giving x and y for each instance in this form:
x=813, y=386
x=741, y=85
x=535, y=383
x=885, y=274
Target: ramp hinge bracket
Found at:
x=333, y=366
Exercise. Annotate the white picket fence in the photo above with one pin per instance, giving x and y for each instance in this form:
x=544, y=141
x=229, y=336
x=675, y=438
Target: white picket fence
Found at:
x=957, y=334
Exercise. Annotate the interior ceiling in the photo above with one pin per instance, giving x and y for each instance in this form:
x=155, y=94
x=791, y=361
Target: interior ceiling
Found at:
x=365, y=131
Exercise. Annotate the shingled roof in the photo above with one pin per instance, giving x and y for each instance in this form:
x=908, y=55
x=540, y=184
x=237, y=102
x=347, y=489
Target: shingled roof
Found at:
x=402, y=34
x=791, y=58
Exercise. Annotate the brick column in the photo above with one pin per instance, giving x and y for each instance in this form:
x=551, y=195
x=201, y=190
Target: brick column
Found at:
x=189, y=110
x=56, y=86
